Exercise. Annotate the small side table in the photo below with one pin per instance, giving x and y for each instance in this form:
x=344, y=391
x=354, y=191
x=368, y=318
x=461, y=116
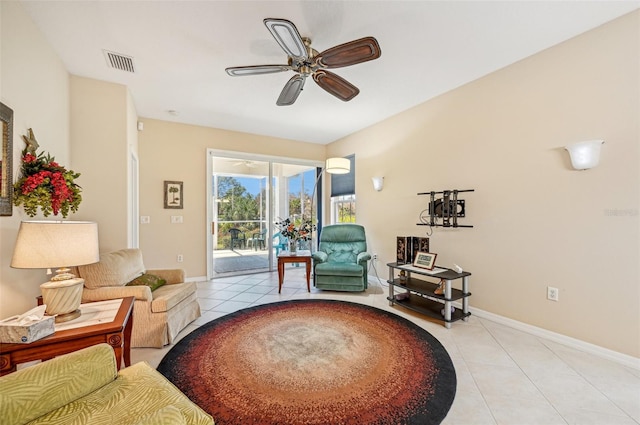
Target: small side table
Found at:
x=116, y=333
x=300, y=257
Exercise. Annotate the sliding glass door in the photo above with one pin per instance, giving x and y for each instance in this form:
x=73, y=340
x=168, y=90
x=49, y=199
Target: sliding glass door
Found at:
x=248, y=195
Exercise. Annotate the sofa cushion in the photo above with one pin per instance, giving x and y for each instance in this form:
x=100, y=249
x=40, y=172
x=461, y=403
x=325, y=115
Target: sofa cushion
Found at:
x=168, y=296
x=137, y=394
x=147, y=279
x=114, y=269
x=34, y=391
x=166, y=415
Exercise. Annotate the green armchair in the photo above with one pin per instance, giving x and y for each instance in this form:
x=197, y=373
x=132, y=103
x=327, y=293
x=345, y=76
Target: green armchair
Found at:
x=340, y=264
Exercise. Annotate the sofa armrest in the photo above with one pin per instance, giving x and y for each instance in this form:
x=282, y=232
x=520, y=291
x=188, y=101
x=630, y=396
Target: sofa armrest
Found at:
x=320, y=256
x=172, y=276
x=140, y=292
x=37, y=390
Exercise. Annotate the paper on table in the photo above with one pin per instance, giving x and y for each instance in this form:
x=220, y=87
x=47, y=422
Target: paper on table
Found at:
x=435, y=270
x=32, y=316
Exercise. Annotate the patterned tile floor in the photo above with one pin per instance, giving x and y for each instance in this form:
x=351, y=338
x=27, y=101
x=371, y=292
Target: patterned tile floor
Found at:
x=505, y=376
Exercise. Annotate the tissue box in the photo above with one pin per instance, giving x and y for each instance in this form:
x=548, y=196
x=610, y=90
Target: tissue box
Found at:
x=10, y=332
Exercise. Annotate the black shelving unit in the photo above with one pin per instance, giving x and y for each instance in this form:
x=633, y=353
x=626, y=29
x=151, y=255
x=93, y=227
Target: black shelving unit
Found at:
x=421, y=297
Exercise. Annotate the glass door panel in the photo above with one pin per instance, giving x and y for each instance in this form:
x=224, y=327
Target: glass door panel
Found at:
x=248, y=196
x=240, y=209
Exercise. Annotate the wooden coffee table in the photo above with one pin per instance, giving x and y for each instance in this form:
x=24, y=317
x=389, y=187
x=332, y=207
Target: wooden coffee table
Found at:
x=116, y=333
x=300, y=257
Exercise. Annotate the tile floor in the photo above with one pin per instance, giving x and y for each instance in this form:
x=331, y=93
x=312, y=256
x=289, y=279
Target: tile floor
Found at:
x=505, y=376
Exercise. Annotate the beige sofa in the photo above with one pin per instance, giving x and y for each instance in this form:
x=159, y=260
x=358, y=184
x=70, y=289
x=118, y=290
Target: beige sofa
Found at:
x=159, y=315
x=85, y=387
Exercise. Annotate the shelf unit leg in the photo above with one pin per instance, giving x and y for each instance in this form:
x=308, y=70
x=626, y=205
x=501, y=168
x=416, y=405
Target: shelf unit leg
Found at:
x=447, y=304
x=465, y=300
x=391, y=295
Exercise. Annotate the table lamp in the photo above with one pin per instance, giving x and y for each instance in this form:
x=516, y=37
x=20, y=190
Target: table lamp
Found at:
x=58, y=245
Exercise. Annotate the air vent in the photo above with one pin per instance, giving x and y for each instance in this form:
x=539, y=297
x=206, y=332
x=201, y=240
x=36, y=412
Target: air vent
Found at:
x=118, y=61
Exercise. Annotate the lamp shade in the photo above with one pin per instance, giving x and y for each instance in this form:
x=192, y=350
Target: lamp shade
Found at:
x=337, y=165
x=585, y=155
x=52, y=244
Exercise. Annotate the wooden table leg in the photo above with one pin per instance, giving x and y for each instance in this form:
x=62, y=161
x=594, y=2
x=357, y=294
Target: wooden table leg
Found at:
x=280, y=274
x=6, y=365
x=127, y=341
x=116, y=341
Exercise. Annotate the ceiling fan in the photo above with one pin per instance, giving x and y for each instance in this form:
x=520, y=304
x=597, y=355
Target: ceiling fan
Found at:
x=305, y=61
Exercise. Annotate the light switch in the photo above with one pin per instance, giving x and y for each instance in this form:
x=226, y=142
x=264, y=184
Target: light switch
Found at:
x=176, y=219
x=145, y=219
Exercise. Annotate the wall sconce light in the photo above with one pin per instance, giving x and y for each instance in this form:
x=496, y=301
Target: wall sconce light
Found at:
x=378, y=182
x=585, y=155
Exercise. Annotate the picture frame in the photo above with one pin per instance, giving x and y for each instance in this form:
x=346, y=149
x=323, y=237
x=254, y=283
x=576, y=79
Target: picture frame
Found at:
x=173, y=196
x=425, y=260
x=6, y=161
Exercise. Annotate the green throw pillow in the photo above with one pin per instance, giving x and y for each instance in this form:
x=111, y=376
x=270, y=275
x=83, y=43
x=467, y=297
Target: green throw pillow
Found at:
x=150, y=280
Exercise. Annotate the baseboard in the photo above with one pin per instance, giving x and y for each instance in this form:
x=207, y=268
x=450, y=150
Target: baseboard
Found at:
x=196, y=279
x=605, y=353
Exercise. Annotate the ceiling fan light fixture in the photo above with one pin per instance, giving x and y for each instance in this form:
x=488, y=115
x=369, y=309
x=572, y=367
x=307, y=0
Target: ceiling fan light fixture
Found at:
x=306, y=61
x=287, y=36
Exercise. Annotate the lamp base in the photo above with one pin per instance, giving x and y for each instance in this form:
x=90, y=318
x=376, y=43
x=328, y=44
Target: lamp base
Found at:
x=65, y=317
x=62, y=298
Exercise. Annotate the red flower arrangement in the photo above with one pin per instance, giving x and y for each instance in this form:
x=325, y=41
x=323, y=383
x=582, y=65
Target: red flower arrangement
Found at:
x=46, y=184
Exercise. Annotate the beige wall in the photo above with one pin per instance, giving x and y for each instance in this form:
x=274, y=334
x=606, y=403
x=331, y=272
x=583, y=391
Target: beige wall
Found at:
x=536, y=221
x=35, y=84
x=170, y=151
x=102, y=115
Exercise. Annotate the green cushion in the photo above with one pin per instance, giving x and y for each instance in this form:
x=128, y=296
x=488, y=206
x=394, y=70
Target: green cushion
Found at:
x=150, y=280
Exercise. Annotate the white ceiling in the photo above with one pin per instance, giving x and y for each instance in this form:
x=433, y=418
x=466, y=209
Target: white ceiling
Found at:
x=181, y=48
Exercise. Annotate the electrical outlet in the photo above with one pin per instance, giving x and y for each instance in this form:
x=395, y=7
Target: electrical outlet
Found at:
x=374, y=257
x=552, y=293
x=179, y=258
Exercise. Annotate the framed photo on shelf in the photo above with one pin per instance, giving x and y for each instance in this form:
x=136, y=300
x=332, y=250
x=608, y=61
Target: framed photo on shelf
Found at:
x=425, y=260
x=173, y=194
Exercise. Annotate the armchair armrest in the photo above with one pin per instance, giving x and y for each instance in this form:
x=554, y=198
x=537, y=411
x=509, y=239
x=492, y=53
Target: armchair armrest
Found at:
x=320, y=256
x=170, y=275
x=363, y=256
x=140, y=292
x=37, y=390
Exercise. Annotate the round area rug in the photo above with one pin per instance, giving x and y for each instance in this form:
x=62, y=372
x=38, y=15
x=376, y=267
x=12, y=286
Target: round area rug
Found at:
x=314, y=362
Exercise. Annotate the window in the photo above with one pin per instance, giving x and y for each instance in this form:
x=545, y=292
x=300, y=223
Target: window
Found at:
x=343, y=209
x=343, y=195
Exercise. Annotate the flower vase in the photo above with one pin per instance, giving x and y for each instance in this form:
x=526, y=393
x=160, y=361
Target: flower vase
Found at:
x=293, y=247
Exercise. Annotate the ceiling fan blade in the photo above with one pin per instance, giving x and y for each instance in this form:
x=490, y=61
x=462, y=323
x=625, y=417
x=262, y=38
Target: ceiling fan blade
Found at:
x=336, y=85
x=291, y=90
x=351, y=53
x=238, y=71
x=287, y=36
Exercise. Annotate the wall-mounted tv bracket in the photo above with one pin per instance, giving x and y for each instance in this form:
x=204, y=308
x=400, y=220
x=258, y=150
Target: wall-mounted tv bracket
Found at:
x=448, y=207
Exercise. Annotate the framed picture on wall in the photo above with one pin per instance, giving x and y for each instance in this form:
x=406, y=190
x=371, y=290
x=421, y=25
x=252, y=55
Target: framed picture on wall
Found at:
x=425, y=260
x=6, y=161
x=173, y=194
